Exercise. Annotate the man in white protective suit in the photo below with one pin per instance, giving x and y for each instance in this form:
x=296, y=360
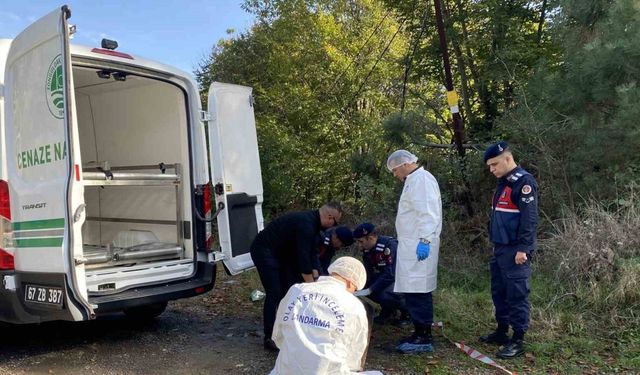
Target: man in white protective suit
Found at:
x=418, y=225
x=321, y=327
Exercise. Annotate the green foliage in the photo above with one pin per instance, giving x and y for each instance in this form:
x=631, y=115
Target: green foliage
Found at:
x=319, y=98
x=339, y=84
x=577, y=121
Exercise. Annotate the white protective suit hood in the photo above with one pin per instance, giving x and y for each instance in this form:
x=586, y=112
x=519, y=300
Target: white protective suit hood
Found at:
x=320, y=328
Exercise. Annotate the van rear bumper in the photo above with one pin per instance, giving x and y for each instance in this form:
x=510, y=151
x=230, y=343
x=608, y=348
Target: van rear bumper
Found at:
x=11, y=307
x=14, y=309
x=200, y=283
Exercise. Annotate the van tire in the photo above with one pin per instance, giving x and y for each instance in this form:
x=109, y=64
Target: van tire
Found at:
x=146, y=312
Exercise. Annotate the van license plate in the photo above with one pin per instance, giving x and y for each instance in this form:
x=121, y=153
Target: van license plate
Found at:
x=43, y=294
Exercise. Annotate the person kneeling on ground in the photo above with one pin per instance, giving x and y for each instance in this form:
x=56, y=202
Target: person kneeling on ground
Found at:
x=379, y=259
x=329, y=242
x=321, y=327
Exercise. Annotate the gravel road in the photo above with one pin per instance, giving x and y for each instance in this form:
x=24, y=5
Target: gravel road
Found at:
x=216, y=333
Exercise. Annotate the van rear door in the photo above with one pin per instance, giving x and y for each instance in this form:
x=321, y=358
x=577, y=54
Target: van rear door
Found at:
x=47, y=199
x=235, y=166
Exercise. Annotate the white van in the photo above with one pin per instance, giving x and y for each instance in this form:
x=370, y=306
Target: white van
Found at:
x=104, y=180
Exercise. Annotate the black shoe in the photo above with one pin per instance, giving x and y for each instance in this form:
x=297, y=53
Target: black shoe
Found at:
x=496, y=337
x=270, y=345
x=381, y=320
x=384, y=317
x=402, y=322
x=511, y=350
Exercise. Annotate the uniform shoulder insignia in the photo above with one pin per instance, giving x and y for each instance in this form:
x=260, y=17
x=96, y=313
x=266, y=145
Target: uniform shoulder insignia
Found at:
x=526, y=189
x=387, y=251
x=527, y=200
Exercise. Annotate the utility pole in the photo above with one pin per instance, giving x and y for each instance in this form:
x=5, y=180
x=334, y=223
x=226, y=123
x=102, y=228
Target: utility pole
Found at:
x=452, y=100
x=452, y=96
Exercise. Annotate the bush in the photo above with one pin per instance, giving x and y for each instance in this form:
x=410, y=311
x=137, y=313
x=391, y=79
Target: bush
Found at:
x=595, y=256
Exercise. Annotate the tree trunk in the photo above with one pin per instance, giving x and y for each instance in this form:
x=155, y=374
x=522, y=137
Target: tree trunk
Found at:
x=543, y=13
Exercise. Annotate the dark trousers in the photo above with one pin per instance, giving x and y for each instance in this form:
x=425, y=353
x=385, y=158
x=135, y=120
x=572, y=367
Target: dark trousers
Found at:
x=510, y=289
x=420, y=307
x=370, y=312
x=388, y=300
x=276, y=279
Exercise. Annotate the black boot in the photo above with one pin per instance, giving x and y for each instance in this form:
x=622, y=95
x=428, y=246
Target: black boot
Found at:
x=404, y=320
x=421, y=335
x=498, y=337
x=513, y=349
x=384, y=317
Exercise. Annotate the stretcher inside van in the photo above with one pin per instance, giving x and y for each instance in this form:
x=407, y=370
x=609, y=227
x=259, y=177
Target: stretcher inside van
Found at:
x=107, y=186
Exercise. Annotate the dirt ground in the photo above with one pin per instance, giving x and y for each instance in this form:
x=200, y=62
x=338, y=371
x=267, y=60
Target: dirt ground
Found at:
x=217, y=333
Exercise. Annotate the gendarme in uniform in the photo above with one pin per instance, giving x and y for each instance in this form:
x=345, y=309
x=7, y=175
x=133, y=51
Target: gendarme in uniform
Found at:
x=512, y=230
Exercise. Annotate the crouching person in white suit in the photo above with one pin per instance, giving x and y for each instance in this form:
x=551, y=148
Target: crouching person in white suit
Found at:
x=321, y=327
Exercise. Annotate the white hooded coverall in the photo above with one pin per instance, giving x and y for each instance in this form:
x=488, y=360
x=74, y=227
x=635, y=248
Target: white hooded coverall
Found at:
x=320, y=328
x=419, y=216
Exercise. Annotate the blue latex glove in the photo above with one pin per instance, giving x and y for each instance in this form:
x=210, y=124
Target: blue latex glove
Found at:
x=422, y=251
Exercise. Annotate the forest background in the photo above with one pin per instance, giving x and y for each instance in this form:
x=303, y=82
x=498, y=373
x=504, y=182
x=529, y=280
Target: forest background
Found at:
x=339, y=84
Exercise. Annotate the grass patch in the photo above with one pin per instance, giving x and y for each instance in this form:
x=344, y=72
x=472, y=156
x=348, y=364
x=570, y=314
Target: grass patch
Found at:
x=565, y=337
x=585, y=297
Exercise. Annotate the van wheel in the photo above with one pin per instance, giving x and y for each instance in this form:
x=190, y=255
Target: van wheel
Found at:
x=146, y=312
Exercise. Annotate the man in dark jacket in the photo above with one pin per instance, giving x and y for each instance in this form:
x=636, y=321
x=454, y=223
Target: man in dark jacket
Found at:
x=514, y=219
x=285, y=253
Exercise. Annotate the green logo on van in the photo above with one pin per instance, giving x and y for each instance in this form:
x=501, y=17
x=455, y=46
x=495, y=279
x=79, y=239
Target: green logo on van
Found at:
x=54, y=88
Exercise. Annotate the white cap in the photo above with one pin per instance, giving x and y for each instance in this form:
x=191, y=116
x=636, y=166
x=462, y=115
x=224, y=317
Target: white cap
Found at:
x=351, y=269
x=400, y=157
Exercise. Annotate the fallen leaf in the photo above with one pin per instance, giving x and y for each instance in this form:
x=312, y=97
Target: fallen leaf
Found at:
x=529, y=357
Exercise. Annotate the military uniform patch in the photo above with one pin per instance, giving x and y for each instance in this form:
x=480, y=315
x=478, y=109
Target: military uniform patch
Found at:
x=387, y=251
x=527, y=200
x=526, y=189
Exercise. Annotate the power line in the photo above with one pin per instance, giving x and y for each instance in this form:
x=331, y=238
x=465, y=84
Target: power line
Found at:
x=364, y=82
x=358, y=52
x=410, y=56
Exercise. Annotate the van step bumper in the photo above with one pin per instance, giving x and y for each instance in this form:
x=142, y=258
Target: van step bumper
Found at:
x=203, y=281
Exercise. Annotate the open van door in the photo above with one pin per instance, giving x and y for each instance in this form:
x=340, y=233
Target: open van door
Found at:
x=235, y=166
x=43, y=159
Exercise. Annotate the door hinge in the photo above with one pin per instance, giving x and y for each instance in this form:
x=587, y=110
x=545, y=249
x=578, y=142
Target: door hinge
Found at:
x=80, y=261
x=205, y=116
x=216, y=256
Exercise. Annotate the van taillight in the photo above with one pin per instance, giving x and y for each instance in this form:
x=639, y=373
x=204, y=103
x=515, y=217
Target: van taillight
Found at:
x=6, y=258
x=5, y=203
x=207, y=214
